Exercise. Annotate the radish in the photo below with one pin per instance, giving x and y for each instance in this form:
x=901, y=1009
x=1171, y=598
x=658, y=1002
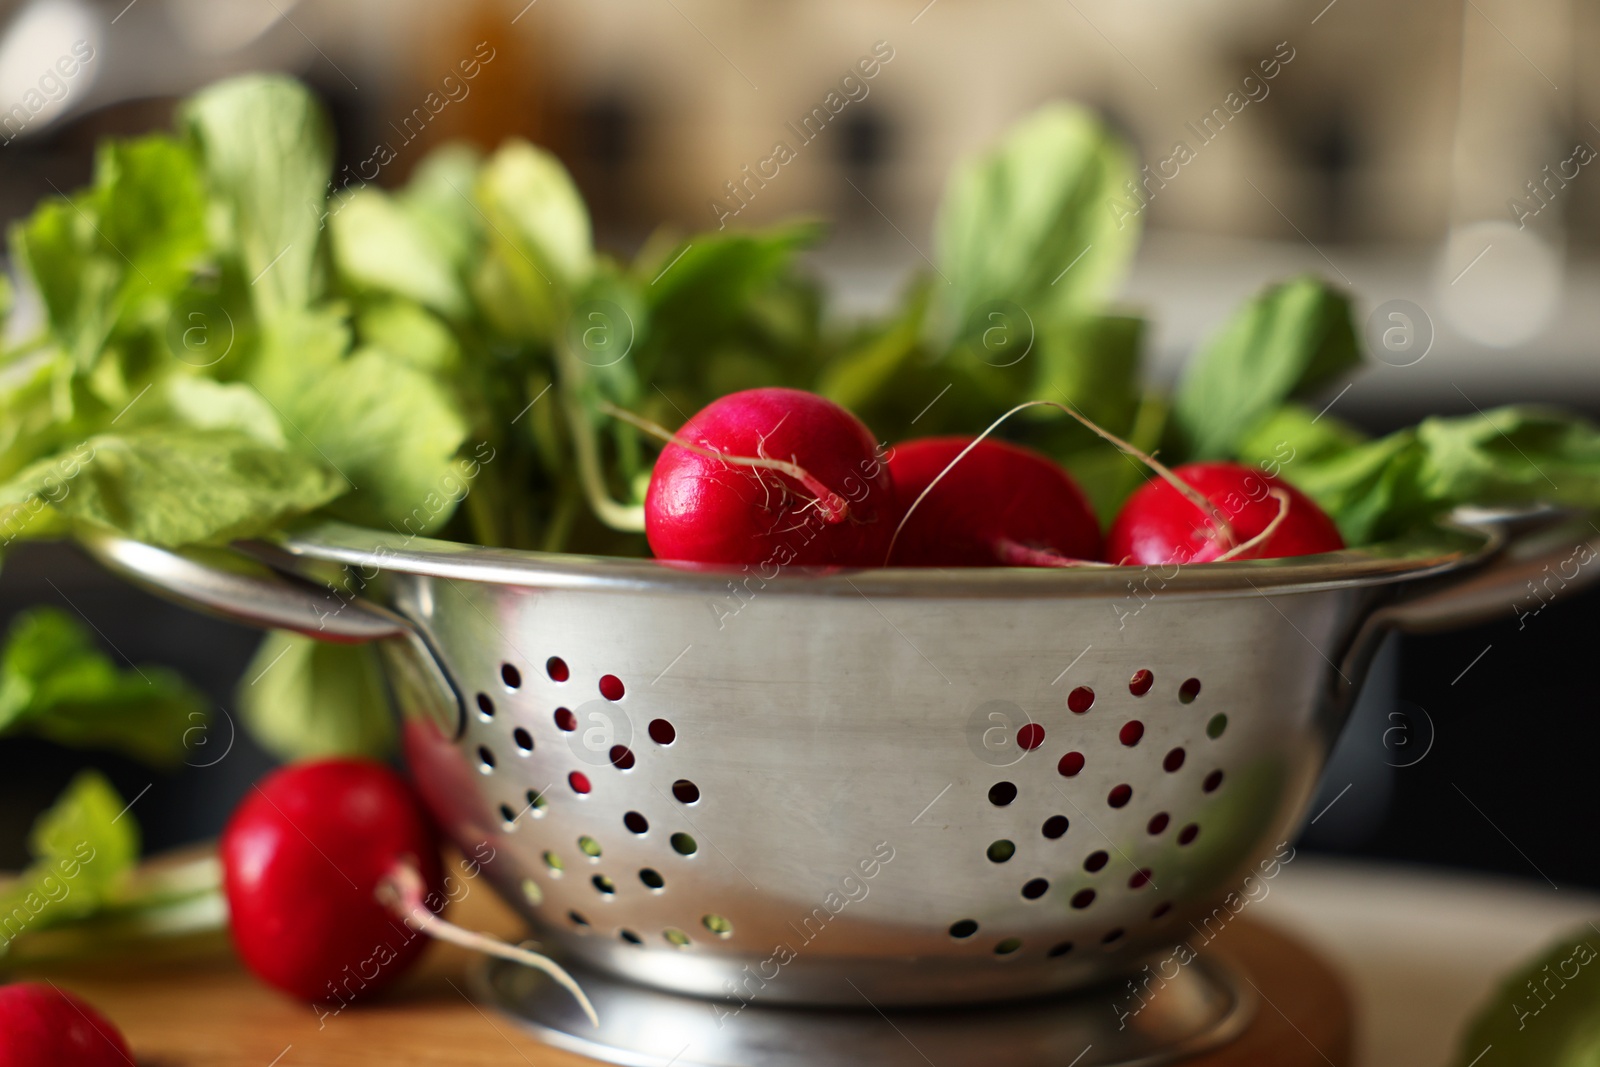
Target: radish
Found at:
x=42, y=1025
x=1253, y=515
x=331, y=871
x=771, y=477
x=1001, y=504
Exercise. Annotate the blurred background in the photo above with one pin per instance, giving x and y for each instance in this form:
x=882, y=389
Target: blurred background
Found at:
x=1435, y=152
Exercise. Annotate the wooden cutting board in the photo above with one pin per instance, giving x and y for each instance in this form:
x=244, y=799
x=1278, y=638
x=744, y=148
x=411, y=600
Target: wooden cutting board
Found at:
x=213, y=1014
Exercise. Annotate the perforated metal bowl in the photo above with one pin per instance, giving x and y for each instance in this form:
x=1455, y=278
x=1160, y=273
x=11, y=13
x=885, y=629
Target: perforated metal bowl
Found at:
x=912, y=787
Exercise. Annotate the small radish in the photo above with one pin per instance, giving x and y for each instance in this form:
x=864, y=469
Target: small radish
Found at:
x=1253, y=515
x=769, y=476
x=332, y=872
x=1001, y=504
x=45, y=1026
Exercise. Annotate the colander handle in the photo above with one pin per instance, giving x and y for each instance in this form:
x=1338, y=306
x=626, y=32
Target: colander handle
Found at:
x=1541, y=560
x=263, y=597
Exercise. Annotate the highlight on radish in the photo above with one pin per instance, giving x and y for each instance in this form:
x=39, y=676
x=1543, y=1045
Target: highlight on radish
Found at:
x=999, y=504
x=770, y=476
x=334, y=885
x=1241, y=513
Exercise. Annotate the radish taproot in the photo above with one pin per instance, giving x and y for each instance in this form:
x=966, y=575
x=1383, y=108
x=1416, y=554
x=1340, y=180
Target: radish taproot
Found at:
x=42, y=1025
x=1252, y=515
x=770, y=476
x=999, y=505
x=332, y=872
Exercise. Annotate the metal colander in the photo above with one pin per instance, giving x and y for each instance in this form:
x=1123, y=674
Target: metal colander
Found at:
x=904, y=787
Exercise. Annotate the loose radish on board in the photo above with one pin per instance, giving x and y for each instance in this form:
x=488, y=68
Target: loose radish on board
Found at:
x=1001, y=505
x=1254, y=515
x=333, y=880
x=774, y=477
x=42, y=1025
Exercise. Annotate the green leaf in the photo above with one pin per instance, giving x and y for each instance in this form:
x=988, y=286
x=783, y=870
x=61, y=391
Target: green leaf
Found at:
x=267, y=150
x=55, y=683
x=302, y=698
x=1033, y=222
x=411, y=333
x=210, y=405
x=1546, y=1014
x=391, y=430
x=152, y=210
x=84, y=847
x=76, y=279
x=1285, y=342
x=167, y=487
x=377, y=245
x=438, y=198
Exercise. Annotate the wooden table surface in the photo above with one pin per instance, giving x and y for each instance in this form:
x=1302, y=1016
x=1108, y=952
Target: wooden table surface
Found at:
x=214, y=1014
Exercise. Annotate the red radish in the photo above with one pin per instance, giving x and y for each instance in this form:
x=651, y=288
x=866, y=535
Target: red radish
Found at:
x=1265, y=516
x=773, y=477
x=331, y=872
x=45, y=1026
x=1001, y=504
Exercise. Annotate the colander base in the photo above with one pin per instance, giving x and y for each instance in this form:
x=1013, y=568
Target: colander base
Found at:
x=1105, y=1026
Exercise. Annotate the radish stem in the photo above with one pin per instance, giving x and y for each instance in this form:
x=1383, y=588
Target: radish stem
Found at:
x=401, y=891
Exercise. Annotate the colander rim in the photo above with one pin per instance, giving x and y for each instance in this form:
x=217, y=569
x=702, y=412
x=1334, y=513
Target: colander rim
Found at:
x=1451, y=545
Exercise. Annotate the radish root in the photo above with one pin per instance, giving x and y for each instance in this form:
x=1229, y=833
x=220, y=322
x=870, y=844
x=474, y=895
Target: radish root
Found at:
x=401, y=891
x=1016, y=554
x=1190, y=493
x=1240, y=551
x=834, y=506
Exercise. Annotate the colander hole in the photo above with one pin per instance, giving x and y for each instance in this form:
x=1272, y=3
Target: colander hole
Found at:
x=630, y=937
x=963, y=928
x=1140, y=879
x=1002, y=793
x=1173, y=760
x=1158, y=822
x=578, y=920
x=1080, y=700
x=1188, y=833
x=684, y=845
x=1008, y=946
x=1218, y=723
x=611, y=687
x=1095, y=861
x=589, y=846
x=553, y=863
x=1213, y=780
x=1035, y=889
x=718, y=925
x=652, y=878
x=510, y=676
x=1112, y=936
x=1055, y=826
x=565, y=720
x=1141, y=682
x=556, y=668
x=508, y=817
x=1132, y=732
x=1057, y=951
x=676, y=938
x=622, y=757
x=1189, y=690
x=636, y=822
x=537, y=803
x=685, y=791
x=579, y=782
x=1001, y=850
x=523, y=739
x=531, y=892
x=1030, y=737
x=606, y=886
x=485, y=759
x=1161, y=910
x=485, y=707
x=1070, y=764
x=1120, y=795
x=662, y=732
x=1082, y=898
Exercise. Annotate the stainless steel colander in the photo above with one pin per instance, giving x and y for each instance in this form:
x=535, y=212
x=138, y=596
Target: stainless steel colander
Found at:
x=898, y=787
